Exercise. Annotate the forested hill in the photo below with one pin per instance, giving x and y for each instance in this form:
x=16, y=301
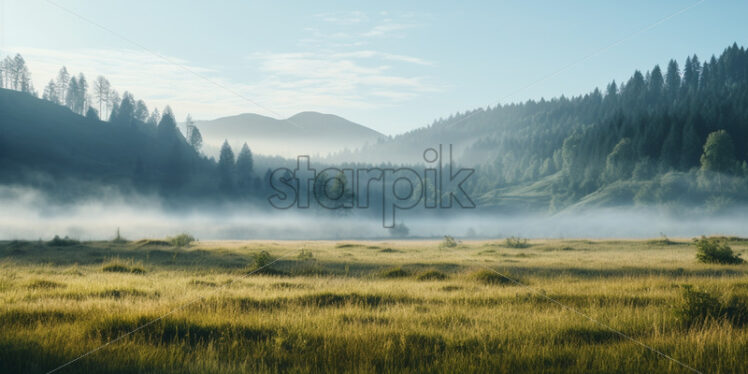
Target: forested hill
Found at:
x=49, y=146
x=668, y=136
x=640, y=141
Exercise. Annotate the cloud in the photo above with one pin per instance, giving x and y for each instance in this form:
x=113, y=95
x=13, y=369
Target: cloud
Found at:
x=383, y=55
x=332, y=70
x=344, y=17
x=354, y=78
x=387, y=29
x=289, y=82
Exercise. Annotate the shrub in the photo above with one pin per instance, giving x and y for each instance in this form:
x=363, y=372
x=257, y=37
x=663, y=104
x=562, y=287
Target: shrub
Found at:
x=715, y=251
x=394, y=273
x=432, y=275
x=261, y=264
x=263, y=259
x=181, y=240
x=62, y=242
x=489, y=277
x=448, y=242
x=516, y=242
x=118, y=266
x=698, y=307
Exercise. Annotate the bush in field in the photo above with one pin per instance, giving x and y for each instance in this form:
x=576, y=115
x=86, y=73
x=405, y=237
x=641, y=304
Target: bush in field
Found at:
x=698, y=307
x=489, y=277
x=119, y=266
x=394, y=273
x=263, y=259
x=432, y=275
x=181, y=240
x=516, y=242
x=261, y=264
x=62, y=242
x=715, y=251
x=448, y=242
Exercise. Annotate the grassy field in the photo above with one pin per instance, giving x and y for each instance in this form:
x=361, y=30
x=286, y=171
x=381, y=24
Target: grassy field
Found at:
x=394, y=306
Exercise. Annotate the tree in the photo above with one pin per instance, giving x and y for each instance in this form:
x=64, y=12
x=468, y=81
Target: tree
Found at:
x=50, y=92
x=63, y=79
x=15, y=75
x=672, y=79
x=719, y=153
x=691, y=73
x=226, y=165
x=82, y=95
x=194, y=137
x=655, y=84
x=23, y=76
x=3, y=74
x=113, y=104
x=244, y=168
x=620, y=162
x=101, y=92
x=141, y=111
x=126, y=111
x=154, y=118
x=167, y=126
x=71, y=99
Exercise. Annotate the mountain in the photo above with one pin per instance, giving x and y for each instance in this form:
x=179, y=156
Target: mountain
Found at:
x=304, y=133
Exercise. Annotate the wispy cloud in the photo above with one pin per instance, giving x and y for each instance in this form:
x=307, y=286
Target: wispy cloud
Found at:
x=351, y=77
x=388, y=28
x=148, y=77
x=343, y=17
x=289, y=83
x=338, y=73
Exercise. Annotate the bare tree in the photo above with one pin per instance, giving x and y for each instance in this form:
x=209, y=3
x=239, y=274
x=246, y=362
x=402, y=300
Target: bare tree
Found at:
x=101, y=91
x=63, y=79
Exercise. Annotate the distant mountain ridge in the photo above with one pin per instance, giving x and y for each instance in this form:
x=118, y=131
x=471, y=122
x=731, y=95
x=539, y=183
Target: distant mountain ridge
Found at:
x=302, y=133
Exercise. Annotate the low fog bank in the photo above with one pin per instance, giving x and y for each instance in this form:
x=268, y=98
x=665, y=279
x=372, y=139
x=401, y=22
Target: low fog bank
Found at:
x=27, y=214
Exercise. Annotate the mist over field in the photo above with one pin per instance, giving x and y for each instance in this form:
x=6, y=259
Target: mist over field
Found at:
x=30, y=214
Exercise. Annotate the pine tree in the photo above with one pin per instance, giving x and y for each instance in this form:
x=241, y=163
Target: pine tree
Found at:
x=63, y=80
x=244, y=168
x=226, y=165
x=672, y=79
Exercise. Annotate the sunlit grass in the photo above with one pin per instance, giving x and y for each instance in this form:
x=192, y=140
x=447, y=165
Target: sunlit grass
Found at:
x=354, y=307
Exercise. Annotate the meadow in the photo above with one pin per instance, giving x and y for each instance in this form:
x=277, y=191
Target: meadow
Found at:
x=374, y=306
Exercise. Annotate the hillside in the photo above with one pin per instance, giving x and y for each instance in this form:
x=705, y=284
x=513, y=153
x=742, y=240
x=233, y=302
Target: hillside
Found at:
x=48, y=146
x=651, y=131
x=303, y=133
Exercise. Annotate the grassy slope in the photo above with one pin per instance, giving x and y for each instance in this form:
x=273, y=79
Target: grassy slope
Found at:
x=338, y=313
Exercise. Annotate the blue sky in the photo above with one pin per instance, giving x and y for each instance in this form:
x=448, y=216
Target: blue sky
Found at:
x=390, y=65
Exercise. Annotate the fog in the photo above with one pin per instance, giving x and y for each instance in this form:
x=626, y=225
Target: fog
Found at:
x=30, y=215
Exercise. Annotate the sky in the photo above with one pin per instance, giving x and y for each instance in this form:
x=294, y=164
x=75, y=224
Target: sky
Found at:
x=390, y=65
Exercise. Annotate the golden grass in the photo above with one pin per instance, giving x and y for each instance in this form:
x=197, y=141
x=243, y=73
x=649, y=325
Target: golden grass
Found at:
x=352, y=307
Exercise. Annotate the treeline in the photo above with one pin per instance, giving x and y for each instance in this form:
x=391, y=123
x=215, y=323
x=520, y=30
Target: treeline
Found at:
x=653, y=126
x=92, y=133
